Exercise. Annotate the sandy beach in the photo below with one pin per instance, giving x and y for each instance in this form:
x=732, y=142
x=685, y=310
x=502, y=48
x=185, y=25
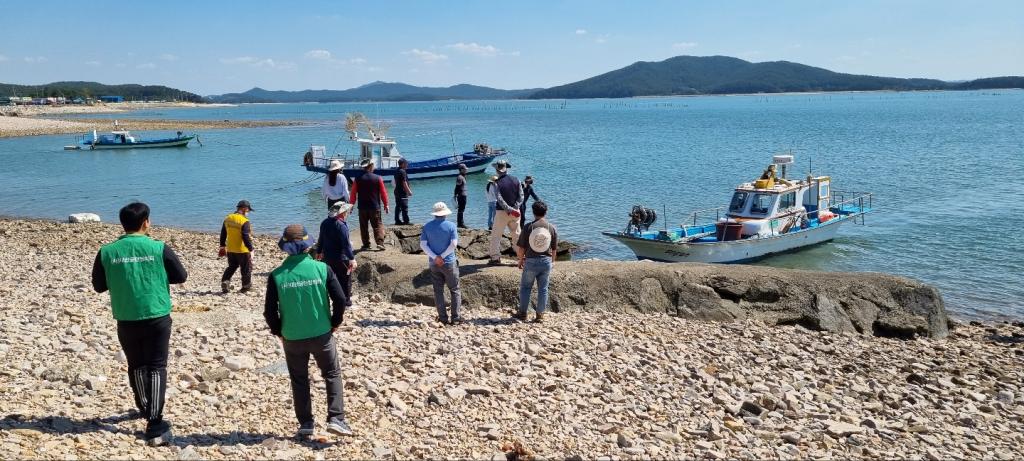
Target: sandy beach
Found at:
x=583, y=385
x=44, y=120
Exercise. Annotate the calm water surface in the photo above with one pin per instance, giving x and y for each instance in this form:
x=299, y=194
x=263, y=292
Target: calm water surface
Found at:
x=946, y=168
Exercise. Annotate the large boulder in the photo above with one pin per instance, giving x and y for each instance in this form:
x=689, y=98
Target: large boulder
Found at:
x=864, y=303
x=473, y=243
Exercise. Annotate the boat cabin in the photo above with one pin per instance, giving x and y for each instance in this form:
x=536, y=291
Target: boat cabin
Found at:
x=382, y=151
x=763, y=206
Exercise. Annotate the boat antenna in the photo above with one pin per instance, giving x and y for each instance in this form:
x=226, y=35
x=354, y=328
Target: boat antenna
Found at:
x=451, y=134
x=664, y=216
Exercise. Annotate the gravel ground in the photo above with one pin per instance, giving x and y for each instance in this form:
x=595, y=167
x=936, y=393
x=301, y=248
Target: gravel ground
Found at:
x=579, y=386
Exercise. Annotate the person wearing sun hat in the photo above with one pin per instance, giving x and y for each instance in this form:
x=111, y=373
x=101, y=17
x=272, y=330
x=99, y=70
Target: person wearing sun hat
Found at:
x=439, y=240
x=334, y=246
x=335, y=188
x=509, y=198
x=296, y=310
x=536, y=249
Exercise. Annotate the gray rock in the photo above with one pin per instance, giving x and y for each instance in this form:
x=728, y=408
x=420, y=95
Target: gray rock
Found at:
x=381, y=452
x=239, y=362
x=1005, y=396
x=623, y=441
x=839, y=429
x=478, y=390
x=398, y=404
x=791, y=437
x=189, y=454
x=455, y=393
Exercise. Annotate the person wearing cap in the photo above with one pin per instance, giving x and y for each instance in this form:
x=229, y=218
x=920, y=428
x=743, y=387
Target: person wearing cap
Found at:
x=439, y=240
x=460, y=194
x=509, y=197
x=402, y=193
x=137, y=270
x=491, y=195
x=536, y=249
x=296, y=310
x=334, y=248
x=527, y=193
x=335, y=188
x=370, y=196
x=236, y=244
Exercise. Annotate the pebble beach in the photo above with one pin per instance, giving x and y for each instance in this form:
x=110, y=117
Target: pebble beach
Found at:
x=583, y=385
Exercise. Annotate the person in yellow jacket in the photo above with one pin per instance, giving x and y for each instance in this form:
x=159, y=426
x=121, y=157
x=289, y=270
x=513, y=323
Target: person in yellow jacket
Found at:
x=236, y=244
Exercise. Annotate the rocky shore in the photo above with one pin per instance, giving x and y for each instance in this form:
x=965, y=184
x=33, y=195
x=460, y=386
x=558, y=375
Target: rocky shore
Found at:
x=587, y=384
x=32, y=126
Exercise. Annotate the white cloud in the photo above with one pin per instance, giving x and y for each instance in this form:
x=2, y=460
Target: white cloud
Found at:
x=475, y=49
x=3, y=58
x=357, y=61
x=581, y=31
x=684, y=45
x=238, y=60
x=258, y=62
x=168, y=57
x=93, y=63
x=424, y=56
x=147, y=65
x=35, y=59
x=601, y=40
x=322, y=55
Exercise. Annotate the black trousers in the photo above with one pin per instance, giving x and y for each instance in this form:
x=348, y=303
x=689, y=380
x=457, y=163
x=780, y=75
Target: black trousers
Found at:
x=239, y=260
x=401, y=210
x=340, y=269
x=145, y=344
x=324, y=352
x=461, y=200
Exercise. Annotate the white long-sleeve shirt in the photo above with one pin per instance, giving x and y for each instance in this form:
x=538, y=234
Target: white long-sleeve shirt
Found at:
x=491, y=192
x=339, y=191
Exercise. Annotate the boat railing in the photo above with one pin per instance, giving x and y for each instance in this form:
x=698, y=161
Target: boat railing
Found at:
x=856, y=204
x=706, y=213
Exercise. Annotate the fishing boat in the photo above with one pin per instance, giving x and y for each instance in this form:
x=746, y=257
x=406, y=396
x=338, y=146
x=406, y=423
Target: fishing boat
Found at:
x=123, y=139
x=383, y=152
x=769, y=215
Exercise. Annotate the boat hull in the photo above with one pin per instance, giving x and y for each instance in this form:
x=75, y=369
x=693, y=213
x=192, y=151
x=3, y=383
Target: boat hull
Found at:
x=422, y=170
x=735, y=251
x=173, y=142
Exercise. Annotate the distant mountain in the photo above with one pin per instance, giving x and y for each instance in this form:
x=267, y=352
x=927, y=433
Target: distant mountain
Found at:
x=71, y=90
x=687, y=75
x=375, y=91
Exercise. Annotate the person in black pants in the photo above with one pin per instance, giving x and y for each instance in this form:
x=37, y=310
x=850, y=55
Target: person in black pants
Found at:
x=334, y=247
x=137, y=271
x=527, y=193
x=460, y=194
x=402, y=193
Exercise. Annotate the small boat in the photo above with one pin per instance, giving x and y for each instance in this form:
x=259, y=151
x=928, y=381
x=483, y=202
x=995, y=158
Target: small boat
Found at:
x=123, y=139
x=383, y=152
x=769, y=215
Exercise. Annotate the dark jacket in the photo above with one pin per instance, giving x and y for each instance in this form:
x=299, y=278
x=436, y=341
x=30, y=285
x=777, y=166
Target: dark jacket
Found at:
x=334, y=243
x=510, y=193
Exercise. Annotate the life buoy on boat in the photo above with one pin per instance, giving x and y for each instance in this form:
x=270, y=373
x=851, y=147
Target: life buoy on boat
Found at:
x=825, y=216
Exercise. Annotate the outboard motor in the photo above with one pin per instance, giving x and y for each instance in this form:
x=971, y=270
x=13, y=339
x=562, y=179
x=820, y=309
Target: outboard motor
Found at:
x=640, y=219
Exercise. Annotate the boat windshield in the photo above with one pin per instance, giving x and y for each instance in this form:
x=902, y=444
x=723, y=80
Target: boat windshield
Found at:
x=739, y=201
x=761, y=204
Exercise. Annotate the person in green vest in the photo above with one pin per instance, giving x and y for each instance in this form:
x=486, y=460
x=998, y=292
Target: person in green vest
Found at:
x=137, y=270
x=296, y=311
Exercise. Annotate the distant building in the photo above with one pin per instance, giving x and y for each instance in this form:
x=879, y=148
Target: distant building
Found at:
x=112, y=98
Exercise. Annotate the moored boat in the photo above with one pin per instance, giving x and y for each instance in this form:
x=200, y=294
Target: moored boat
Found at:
x=383, y=151
x=770, y=215
x=123, y=139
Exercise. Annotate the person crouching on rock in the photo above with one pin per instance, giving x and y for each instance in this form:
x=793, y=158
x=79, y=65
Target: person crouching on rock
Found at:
x=334, y=247
x=296, y=311
x=137, y=270
x=439, y=240
x=536, y=249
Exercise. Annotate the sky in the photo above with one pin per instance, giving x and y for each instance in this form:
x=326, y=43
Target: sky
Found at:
x=213, y=47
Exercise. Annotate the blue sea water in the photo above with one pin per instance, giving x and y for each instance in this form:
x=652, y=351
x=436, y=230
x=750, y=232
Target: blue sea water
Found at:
x=946, y=169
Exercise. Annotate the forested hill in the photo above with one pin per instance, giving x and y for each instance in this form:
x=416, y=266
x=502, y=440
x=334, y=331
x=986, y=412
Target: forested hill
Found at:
x=71, y=90
x=689, y=75
x=376, y=91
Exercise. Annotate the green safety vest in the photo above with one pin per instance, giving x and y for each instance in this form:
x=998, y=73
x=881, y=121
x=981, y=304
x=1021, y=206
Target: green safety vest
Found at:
x=302, y=296
x=136, y=277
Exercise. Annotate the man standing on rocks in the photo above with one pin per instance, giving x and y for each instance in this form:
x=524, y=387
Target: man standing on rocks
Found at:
x=491, y=194
x=439, y=240
x=296, y=311
x=460, y=195
x=236, y=244
x=334, y=248
x=527, y=194
x=509, y=198
x=402, y=193
x=369, y=195
x=335, y=188
x=138, y=270
x=536, y=249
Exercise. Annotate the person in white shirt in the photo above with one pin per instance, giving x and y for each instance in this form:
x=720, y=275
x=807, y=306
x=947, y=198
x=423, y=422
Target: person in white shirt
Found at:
x=491, y=193
x=335, y=185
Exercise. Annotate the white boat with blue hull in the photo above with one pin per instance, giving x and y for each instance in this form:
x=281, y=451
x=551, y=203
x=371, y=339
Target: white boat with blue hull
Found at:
x=767, y=216
x=383, y=152
x=123, y=139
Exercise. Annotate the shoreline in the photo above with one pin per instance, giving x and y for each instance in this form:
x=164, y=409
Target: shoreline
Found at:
x=619, y=385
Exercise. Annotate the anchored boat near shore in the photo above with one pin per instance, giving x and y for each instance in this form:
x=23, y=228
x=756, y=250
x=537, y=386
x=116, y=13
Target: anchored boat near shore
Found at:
x=122, y=139
x=770, y=215
x=383, y=152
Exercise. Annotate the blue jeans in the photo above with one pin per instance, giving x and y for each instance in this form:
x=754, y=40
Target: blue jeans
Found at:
x=535, y=269
x=491, y=208
x=448, y=274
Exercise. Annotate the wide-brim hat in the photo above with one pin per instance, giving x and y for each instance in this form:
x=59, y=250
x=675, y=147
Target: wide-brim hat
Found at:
x=339, y=208
x=366, y=163
x=501, y=165
x=295, y=240
x=335, y=166
x=441, y=209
